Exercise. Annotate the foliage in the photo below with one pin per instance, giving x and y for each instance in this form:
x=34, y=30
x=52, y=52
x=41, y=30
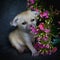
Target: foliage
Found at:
x=45, y=29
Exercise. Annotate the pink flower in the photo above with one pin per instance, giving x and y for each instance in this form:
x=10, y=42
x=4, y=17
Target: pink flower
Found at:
x=47, y=30
x=45, y=38
x=47, y=46
x=54, y=49
x=41, y=26
x=33, y=30
x=37, y=29
x=38, y=38
x=38, y=45
x=41, y=46
x=36, y=9
x=32, y=1
x=41, y=15
x=47, y=16
x=44, y=14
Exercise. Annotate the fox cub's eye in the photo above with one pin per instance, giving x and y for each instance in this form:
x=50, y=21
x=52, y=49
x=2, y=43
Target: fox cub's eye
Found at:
x=24, y=23
x=32, y=20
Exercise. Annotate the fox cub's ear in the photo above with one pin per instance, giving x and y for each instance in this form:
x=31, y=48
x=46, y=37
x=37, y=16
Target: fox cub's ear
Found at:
x=14, y=22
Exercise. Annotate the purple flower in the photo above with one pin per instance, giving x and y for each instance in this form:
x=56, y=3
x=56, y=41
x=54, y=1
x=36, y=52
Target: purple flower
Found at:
x=38, y=38
x=36, y=10
x=41, y=46
x=32, y=1
x=44, y=14
x=47, y=30
x=37, y=29
x=45, y=38
x=36, y=46
x=47, y=16
x=33, y=30
x=47, y=46
x=41, y=15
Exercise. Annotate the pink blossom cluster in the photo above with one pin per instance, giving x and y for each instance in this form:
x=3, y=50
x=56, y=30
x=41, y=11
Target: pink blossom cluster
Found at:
x=45, y=37
x=39, y=46
x=44, y=14
x=30, y=2
x=43, y=30
x=42, y=27
x=34, y=30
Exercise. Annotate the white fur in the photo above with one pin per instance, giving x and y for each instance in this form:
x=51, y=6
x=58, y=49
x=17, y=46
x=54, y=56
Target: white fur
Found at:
x=22, y=37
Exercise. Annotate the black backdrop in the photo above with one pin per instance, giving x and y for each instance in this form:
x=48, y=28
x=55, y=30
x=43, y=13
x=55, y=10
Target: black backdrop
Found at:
x=8, y=10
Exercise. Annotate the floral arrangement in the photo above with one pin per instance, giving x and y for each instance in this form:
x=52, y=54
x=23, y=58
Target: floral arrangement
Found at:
x=43, y=31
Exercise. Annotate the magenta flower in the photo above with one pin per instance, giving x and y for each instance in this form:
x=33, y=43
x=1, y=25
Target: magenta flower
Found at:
x=41, y=26
x=37, y=29
x=41, y=46
x=47, y=30
x=45, y=38
x=33, y=30
x=38, y=38
x=47, y=16
x=47, y=46
x=32, y=1
x=36, y=46
x=44, y=14
x=41, y=15
x=36, y=10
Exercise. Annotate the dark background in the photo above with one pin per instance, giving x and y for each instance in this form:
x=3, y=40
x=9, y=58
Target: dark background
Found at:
x=8, y=10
